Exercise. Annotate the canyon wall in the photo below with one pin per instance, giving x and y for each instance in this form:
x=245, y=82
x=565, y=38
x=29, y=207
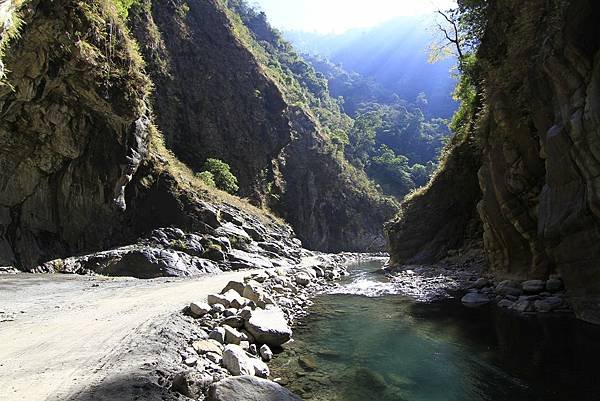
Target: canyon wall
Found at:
x=539, y=135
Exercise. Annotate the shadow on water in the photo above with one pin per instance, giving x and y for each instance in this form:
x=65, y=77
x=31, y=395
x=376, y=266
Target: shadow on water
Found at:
x=391, y=348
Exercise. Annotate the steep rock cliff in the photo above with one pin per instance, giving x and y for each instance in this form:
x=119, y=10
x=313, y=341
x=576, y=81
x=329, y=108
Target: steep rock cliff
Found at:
x=538, y=134
x=440, y=219
x=85, y=102
x=83, y=166
x=223, y=90
x=73, y=131
x=540, y=139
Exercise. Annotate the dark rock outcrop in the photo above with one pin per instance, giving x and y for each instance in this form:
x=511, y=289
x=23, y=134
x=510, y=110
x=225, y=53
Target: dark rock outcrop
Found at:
x=442, y=217
x=540, y=138
x=74, y=128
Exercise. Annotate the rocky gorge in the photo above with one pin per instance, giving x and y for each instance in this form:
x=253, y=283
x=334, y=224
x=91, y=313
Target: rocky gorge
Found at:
x=109, y=112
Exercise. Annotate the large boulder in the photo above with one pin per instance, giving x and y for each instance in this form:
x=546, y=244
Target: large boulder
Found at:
x=249, y=388
x=238, y=286
x=269, y=327
x=236, y=361
x=230, y=298
x=475, y=299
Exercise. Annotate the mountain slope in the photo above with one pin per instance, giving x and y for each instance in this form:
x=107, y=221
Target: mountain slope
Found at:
x=395, y=54
x=251, y=101
x=87, y=104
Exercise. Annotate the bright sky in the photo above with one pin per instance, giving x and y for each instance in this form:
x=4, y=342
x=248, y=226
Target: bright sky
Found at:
x=337, y=16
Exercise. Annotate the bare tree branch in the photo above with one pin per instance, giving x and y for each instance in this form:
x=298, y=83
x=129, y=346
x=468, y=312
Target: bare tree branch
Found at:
x=455, y=39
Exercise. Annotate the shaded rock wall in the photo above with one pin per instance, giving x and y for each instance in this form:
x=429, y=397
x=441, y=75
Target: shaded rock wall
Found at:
x=441, y=218
x=73, y=131
x=541, y=155
x=539, y=137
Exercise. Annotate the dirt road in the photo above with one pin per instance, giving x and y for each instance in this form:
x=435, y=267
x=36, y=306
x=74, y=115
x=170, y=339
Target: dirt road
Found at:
x=59, y=334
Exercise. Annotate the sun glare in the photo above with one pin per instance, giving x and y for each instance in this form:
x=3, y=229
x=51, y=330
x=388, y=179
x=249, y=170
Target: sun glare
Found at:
x=337, y=16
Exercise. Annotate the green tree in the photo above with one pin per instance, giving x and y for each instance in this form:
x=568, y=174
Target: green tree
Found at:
x=221, y=174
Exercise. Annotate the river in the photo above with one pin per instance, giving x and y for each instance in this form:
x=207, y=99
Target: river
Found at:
x=365, y=341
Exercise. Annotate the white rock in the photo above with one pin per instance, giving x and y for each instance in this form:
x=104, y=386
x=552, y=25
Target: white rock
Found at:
x=236, y=361
x=266, y=353
x=269, y=326
x=249, y=388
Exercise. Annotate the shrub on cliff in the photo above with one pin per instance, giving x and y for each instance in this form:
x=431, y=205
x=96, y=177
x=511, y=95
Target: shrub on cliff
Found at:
x=222, y=176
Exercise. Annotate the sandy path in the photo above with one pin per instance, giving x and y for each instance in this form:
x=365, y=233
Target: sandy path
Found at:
x=72, y=326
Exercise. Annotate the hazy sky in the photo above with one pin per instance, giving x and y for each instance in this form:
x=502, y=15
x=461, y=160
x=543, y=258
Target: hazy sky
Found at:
x=337, y=16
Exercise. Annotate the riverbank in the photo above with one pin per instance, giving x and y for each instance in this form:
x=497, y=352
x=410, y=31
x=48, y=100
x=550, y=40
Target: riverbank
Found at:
x=247, y=322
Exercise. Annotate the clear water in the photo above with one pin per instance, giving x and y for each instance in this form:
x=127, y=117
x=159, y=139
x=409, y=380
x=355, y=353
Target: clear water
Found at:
x=365, y=342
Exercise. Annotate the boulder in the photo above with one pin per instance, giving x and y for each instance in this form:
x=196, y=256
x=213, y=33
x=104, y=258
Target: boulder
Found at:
x=204, y=346
x=199, y=309
x=238, y=286
x=523, y=306
x=509, y=287
x=480, y=283
x=269, y=326
x=554, y=285
x=232, y=336
x=218, y=334
x=533, y=286
x=249, y=388
x=506, y=303
x=260, y=368
x=253, y=291
x=475, y=299
x=230, y=298
x=236, y=361
x=217, y=299
x=303, y=279
x=265, y=353
x=237, y=322
x=548, y=304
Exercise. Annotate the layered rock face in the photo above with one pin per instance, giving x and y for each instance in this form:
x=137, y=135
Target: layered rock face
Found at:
x=539, y=178
x=538, y=134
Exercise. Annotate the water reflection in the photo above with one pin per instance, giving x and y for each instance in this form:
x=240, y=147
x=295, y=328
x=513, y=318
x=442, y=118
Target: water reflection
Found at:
x=392, y=348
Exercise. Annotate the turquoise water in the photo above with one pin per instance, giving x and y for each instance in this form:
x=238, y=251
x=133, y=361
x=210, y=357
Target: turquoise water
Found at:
x=389, y=347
